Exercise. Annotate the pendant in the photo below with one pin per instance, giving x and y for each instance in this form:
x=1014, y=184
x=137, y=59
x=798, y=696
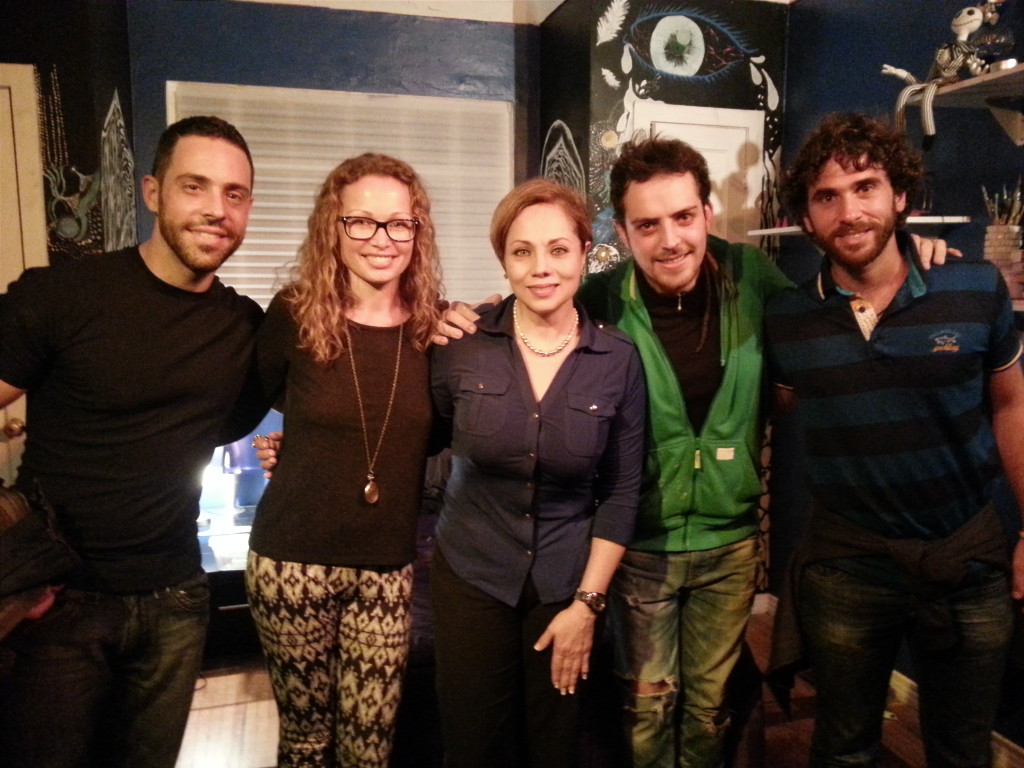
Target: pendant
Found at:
x=370, y=491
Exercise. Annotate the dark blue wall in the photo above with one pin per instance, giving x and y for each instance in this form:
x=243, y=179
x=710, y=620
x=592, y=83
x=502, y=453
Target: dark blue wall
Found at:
x=301, y=47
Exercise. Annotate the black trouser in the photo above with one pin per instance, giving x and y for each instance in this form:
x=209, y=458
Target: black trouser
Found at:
x=499, y=707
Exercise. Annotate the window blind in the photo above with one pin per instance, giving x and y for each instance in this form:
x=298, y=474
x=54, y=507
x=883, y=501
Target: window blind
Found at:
x=462, y=149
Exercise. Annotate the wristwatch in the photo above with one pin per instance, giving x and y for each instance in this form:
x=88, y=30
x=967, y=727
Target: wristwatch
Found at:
x=595, y=601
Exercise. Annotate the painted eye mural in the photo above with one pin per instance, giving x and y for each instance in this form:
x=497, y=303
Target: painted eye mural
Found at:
x=676, y=55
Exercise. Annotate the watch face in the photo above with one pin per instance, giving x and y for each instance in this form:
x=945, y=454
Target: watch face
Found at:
x=595, y=600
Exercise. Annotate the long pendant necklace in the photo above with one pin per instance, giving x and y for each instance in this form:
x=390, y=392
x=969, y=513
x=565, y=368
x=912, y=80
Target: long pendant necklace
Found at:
x=371, y=491
x=544, y=352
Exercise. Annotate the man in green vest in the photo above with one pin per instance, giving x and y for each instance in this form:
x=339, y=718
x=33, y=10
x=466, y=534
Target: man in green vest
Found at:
x=693, y=304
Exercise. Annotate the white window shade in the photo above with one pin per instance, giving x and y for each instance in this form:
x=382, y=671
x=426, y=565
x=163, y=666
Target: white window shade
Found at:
x=462, y=148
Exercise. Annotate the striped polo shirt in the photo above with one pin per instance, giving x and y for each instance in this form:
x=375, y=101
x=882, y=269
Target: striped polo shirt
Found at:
x=897, y=437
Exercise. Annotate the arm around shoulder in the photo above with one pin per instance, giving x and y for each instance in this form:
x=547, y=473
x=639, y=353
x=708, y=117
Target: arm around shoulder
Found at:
x=771, y=279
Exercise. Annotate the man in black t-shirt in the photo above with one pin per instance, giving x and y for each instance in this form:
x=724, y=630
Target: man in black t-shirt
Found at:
x=135, y=364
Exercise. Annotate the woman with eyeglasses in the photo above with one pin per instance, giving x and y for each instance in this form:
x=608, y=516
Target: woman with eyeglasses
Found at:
x=546, y=411
x=343, y=353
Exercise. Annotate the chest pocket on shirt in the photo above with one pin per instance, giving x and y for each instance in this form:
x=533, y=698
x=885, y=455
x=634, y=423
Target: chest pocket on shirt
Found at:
x=480, y=409
x=587, y=422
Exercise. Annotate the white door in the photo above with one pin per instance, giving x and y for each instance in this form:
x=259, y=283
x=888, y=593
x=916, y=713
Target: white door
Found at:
x=22, y=215
x=732, y=141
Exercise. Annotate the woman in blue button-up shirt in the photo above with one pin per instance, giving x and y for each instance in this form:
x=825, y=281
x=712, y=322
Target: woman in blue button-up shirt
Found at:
x=546, y=411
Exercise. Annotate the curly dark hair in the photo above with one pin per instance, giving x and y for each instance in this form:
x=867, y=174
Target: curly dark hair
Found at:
x=641, y=159
x=856, y=142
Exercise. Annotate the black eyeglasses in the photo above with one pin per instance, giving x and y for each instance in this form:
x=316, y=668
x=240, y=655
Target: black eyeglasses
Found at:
x=362, y=228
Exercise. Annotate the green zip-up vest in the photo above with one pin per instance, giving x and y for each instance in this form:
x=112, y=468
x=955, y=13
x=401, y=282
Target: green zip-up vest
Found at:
x=700, y=491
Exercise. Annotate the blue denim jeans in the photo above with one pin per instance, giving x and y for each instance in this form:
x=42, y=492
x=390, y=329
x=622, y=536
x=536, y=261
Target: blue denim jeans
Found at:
x=853, y=630
x=678, y=619
x=104, y=680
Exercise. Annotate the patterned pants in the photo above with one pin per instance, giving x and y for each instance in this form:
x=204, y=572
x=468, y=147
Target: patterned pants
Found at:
x=336, y=641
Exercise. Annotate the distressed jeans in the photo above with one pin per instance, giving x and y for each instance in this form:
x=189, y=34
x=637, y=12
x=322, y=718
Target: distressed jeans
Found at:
x=103, y=679
x=678, y=619
x=854, y=628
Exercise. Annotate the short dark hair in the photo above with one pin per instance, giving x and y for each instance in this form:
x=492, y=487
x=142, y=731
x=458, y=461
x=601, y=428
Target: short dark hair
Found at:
x=857, y=142
x=642, y=159
x=198, y=125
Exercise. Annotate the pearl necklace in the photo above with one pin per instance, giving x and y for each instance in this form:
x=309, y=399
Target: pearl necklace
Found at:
x=544, y=352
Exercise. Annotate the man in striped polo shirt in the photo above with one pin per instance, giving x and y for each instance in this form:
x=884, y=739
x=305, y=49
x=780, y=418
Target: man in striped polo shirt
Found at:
x=911, y=395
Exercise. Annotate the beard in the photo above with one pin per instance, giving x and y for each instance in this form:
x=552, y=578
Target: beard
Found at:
x=856, y=258
x=200, y=258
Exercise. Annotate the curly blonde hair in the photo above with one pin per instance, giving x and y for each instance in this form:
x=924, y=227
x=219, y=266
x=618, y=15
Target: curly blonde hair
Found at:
x=320, y=291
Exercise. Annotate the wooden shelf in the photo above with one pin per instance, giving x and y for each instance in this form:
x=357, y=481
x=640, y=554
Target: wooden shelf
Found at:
x=1001, y=92
x=775, y=231
x=975, y=92
x=912, y=221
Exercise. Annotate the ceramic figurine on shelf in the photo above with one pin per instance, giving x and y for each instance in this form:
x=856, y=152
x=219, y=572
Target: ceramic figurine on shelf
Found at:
x=951, y=60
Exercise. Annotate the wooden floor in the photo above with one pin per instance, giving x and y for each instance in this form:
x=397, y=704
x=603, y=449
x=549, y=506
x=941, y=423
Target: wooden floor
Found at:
x=234, y=720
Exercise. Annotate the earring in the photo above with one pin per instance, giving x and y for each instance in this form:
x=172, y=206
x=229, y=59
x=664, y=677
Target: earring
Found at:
x=505, y=275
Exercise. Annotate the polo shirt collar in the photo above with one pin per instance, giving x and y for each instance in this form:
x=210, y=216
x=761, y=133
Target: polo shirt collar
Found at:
x=915, y=281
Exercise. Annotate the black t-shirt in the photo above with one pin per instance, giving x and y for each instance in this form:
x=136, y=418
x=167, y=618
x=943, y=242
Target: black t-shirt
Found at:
x=131, y=384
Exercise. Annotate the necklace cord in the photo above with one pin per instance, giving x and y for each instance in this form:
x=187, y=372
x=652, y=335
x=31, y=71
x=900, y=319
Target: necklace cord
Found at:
x=371, y=461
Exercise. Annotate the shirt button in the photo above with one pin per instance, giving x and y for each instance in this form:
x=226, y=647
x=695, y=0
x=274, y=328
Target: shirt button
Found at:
x=480, y=385
x=528, y=516
x=592, y=407
x=531, y=455
x=534, y=415
x=529, y=485
x=529, y=553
